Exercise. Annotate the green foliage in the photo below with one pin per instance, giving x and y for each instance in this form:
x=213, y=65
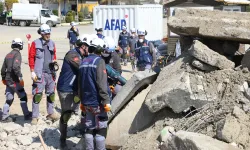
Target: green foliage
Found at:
x=9, y=3
x=55, y=12
x=69, y=17
x=80, y=16
x=73, y=13
x=86, y=11
x=1, y=7
x=247, y=8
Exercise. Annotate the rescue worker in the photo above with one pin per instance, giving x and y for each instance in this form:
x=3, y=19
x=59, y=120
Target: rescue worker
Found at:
x=73, y=34
x=42, y=59
x=144, y=52
x=110, y=56
x=67, y=86
x=13, y=79
x=132, y=40
x=94, y=96
x=123, y=43
x=99, y=33
x=9, y=18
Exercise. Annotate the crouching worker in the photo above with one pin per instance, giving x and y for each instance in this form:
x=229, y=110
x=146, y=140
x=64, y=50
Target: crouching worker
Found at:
x=12, y=78
x=67, y=86
x=93, y=91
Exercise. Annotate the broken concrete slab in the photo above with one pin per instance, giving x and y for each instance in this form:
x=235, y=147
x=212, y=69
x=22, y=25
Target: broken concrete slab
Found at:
x=139, y=81
x=212, y=24
x=240, y=114
x=133, y=118
x=232, y=129
x=202, y=66
x=208, y=56
x=183, y=140
x=246, y=61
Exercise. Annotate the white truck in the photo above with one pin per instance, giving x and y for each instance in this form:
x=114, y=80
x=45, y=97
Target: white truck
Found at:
x=26, y=14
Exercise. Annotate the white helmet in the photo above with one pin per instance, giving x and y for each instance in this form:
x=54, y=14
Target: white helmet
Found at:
x=85, y=38
x=124, y=28
x=97, y=42
x=110, y=44
x=44, y=29
x=17, y=41
x=93, y=36
x=133, y=30
x=73, y=23
x=141, y=32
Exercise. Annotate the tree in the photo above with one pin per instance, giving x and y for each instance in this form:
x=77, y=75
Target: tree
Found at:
x=9, y=3
x=1, y=7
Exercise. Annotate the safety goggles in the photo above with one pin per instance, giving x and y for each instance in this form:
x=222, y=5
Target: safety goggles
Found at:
x=48, y=31
x=141, y=32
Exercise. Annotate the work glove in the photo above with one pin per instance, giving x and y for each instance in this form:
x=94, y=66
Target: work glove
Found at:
x=33, y=76
x=82, y=108
x=107, y=107
x=76, y=99
x=21, y=82
x=4, y=82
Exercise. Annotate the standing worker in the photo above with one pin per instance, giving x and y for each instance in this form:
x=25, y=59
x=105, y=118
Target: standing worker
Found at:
x=132, y=41
x=73, y=33
x=94, y=96
x=144, y=52
x=67, y=86
x=123, y=43
x=9, y=18
x=99, y=33
x=42, y=61
x=13, y=79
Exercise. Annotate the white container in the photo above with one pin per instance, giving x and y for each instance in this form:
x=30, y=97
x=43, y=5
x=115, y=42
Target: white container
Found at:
x=112, y=18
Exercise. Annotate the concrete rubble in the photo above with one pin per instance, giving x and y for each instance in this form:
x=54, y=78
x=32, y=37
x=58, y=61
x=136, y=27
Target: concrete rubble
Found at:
x=183, y=140
x=216, y=24
x=25, y=136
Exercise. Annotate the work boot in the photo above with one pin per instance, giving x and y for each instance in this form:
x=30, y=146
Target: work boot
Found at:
x=34, y=121
x=53, y=117
x=7, y=120
x=28, y=117
x=63, y=131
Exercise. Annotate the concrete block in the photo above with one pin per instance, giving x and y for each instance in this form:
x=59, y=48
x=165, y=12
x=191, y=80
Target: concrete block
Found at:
x=138, y=82
x=193, y=141
x=223, y=25
x=208, y=56
x=202, y=66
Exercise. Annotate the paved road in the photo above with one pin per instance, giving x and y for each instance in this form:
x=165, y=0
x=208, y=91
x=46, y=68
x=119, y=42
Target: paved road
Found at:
x=7, y=34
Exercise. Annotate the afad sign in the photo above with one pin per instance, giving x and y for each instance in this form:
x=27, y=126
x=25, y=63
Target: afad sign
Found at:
x=115, y=24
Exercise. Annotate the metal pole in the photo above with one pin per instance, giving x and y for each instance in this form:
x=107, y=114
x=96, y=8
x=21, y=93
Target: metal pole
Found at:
x=77, y=10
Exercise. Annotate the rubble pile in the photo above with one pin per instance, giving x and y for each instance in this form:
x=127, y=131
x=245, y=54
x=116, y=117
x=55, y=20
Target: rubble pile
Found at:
x=205, y=86
x=22, y=135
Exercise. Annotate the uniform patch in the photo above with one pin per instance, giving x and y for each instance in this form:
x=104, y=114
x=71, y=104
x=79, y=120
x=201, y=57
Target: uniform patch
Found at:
x=111, y=61
x=17, y=60
x=104, y=71
x=76, y=59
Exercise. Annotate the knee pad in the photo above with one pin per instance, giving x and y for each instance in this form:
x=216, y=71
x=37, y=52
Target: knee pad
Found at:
x=76, y=99
x=65, y=116
x=51, y=98
x=9, y=102
x=37, y=98
x=102, y=132
x=24, y=99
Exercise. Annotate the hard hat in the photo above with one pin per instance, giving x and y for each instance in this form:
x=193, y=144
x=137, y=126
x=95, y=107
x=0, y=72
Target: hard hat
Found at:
x=44, y=29
x=98, y=42
x=133, y=30
x=73, y=23
x=124, y=28
x=99, y=29
x=85, y=38
x=141, y=32
x=110, y=44
x=93, y=36
x=17, y=41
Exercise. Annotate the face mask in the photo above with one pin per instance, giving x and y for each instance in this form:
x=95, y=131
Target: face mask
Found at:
x=141, y=40
x=105, y=55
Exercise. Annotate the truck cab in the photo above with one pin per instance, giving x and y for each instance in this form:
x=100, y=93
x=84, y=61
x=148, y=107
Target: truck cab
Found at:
x=2, y=17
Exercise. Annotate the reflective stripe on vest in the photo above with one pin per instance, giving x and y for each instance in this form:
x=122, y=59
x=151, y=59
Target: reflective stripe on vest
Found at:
x=143, y=54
